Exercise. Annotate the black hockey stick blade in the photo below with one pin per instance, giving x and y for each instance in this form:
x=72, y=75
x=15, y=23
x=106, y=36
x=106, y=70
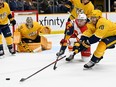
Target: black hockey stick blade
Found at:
x=54, y=67
x=55, y=64
x=58, y=58
x=22, y=80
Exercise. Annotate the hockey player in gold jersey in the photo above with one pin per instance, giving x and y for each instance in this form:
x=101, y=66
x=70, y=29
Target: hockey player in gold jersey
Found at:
x=78, y=7
x=99, y=30
x=5, y=15
x=30, y=33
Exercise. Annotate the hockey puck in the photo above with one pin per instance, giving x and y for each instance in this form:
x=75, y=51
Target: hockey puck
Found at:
x=7, y=78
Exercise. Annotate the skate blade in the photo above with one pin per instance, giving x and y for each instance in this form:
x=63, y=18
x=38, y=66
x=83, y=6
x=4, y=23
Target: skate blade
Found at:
x=60, y=56
x=87, y=68
x=1, y=57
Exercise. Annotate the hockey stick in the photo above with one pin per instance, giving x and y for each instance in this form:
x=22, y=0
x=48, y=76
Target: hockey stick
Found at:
x=60, y=49
x=23, y=79
x=55, y=63
x=64, y=37
x=71, y=14
x=57, y=60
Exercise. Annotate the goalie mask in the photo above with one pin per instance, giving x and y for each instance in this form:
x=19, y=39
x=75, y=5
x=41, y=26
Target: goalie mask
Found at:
x=29, y=22
x=1, y=3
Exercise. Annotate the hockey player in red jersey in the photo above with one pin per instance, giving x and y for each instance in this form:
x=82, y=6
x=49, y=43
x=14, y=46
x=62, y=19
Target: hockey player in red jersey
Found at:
x=74, y=30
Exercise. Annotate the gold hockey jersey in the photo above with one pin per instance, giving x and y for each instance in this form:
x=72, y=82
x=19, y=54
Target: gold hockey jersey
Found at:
x=30, y=33
x=104, y=28
x=78, y=5
x=4, y=12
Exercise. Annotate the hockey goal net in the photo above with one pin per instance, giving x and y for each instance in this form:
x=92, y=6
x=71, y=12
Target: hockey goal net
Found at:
x=20, y=17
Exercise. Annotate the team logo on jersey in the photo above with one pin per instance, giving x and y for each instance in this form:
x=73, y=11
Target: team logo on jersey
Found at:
x=3, y=15
x=32, y=33
x=101, y=27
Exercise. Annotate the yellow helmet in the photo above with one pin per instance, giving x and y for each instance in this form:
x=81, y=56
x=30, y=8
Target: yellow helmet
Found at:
x=96, y=13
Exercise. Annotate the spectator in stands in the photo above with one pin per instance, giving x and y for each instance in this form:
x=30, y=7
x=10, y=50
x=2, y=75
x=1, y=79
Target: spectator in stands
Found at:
x=20, y=5
x=27, y=5
x=50, y=7
x=115, y=6
x=43, y=7
x=13, y=5
x=53, y=7
x=61, y=5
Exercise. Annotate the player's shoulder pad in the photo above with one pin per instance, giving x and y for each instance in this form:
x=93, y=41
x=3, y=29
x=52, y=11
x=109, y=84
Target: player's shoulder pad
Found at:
x=102, y=22
x=5, y=4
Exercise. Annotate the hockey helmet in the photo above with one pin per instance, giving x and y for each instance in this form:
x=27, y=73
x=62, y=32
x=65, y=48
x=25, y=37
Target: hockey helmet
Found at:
x=82, y=17
x=96, y=13
x=82, y=20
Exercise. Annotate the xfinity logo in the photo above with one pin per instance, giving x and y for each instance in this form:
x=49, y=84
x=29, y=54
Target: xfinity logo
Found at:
x=45, y=21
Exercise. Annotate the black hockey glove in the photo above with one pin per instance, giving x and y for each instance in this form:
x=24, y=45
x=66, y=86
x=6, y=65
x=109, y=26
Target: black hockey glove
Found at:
x=83, y=38
x=13, y=22
x=80, y=46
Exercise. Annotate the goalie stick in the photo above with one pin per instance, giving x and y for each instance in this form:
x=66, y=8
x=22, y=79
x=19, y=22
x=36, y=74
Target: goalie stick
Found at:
x=23, y=79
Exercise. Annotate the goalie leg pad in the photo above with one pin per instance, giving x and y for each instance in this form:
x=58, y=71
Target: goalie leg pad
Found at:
x=35, y=47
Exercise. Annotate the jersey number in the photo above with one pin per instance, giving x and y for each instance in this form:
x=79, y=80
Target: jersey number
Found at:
x=101, y=27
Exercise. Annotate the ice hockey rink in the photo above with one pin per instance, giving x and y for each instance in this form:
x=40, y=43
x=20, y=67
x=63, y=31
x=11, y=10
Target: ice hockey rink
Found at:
x=67, y=74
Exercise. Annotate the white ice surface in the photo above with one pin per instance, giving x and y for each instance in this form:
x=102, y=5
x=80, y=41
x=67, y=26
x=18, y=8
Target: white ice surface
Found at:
x=68, y=74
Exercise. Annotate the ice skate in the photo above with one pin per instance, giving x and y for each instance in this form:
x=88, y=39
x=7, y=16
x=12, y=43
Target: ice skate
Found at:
x=60, y=53
x=12, y=51
x=1, y=57
x=89, y=65
x=111, y=47
x=1, y=54
x=71, y=57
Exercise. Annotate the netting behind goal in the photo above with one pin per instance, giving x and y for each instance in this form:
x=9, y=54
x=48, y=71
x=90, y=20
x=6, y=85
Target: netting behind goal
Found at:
x=20, y=17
